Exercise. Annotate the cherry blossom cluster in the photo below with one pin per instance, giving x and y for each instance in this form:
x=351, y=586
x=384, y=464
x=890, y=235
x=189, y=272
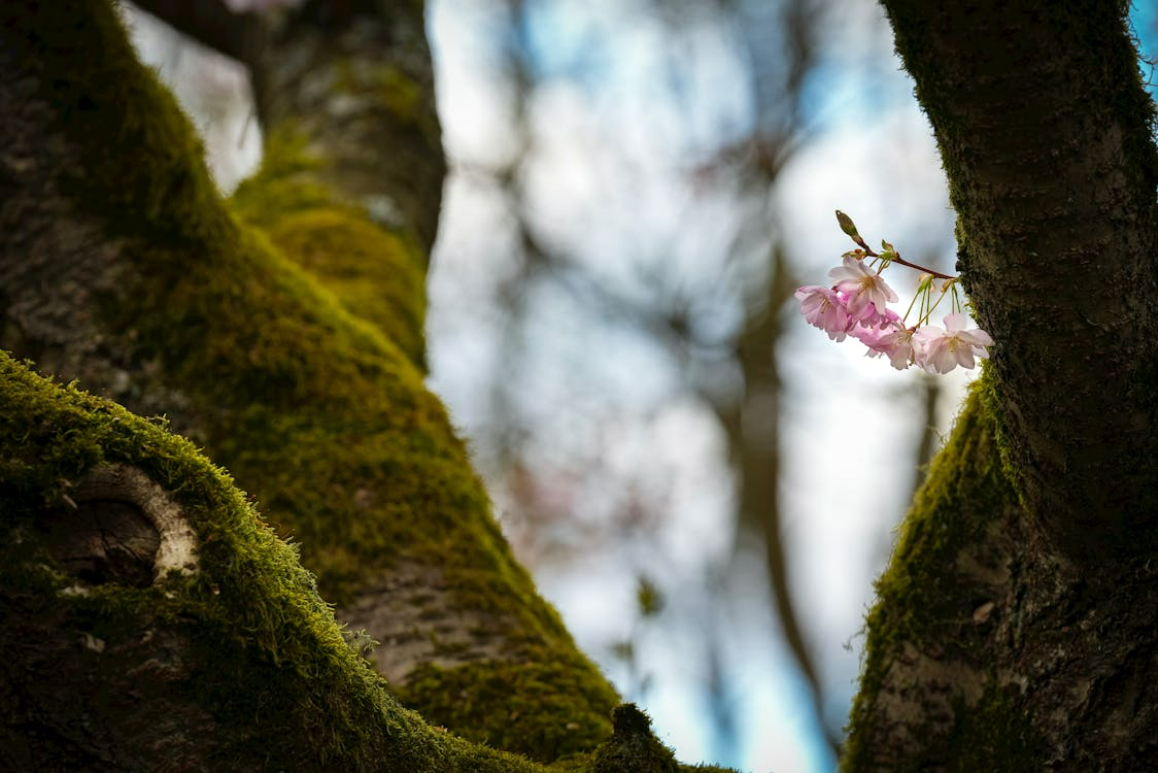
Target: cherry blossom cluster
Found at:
x=856, y=305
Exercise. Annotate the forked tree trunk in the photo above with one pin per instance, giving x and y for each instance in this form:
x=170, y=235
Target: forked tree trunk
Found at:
x=1017, y=625
x=153, y=620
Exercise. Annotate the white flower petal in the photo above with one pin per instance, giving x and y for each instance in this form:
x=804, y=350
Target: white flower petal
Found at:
x=977, y=337
x=956, y=322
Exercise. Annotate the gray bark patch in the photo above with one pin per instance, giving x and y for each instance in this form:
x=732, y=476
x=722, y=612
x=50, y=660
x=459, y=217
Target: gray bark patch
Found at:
x=118, y=526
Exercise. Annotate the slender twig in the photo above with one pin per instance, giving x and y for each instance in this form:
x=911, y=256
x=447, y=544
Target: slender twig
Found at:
x=896, y=258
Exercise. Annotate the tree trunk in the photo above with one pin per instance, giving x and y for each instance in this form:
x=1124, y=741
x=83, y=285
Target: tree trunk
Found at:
x=1016, y=625
x=152, y=619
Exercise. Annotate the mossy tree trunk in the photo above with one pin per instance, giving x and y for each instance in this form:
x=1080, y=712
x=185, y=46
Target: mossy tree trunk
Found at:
x=1017, y=624
x=152, y=619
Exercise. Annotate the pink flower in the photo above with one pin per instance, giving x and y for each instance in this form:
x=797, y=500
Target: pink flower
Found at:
x=888, y=320
x=902, y=347
x=871, y=318
x=825, y=309
x=943, y=350
x=863, y=287
x=897, y=342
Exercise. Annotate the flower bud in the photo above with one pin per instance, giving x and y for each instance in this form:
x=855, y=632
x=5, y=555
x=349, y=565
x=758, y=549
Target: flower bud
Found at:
x=846, y=223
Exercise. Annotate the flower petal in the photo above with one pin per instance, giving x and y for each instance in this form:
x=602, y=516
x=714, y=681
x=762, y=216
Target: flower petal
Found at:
x=956, y=322
x=977, y=337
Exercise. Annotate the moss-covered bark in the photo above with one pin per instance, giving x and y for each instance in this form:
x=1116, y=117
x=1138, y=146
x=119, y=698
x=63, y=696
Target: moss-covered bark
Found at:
x=283, y=335
x=990, y=649
x=928, y=668
x=215, y=653
x=228, y=661
x=1015, y=625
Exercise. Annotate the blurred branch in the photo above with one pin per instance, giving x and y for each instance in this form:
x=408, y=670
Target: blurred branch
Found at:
x=211, y=23
x=930, y=438
x=752, y=422
x=752, y=425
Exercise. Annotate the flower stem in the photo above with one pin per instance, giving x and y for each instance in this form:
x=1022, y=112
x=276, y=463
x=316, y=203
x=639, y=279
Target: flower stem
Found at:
x=898, y=259
x=940, y=298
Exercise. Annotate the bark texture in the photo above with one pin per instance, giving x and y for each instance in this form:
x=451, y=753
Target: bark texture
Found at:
x=1015, y=626
x=219, y=656
x=283, y=334
x=1045, y=131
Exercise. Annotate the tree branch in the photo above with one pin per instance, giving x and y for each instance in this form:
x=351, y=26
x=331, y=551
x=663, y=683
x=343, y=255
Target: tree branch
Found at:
x=211, y=23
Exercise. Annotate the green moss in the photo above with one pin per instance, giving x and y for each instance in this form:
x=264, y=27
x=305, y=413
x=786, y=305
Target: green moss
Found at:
x=400, y=93
x=994, y=736
x=965, y=494
x=386, y=84
x=301, y=398
x=288, y=372
x=520, y=706
x=632, y=747
x=988, y=392
x=265, y=657
x=288, y=165
x=117, y=109
x=309, y=390
x=378, y=273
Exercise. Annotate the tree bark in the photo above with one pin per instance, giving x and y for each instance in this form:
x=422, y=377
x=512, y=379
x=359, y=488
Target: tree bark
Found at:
x=1015, y=626
x=214, y=653
x=1045, y=131
x=283, y=334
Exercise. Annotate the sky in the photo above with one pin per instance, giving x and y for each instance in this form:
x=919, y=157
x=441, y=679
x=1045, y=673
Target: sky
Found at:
x=870, y=154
